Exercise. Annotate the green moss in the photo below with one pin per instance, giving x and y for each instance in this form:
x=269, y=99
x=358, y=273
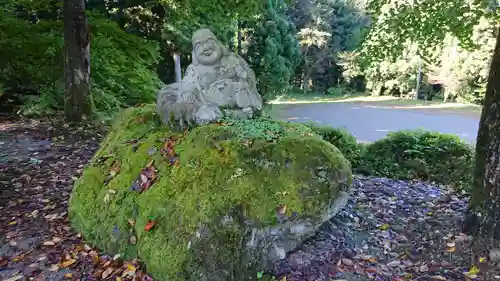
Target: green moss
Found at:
x=251, y=165
x=342, y=139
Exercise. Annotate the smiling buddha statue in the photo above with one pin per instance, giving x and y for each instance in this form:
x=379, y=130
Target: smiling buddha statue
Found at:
x=216, y=84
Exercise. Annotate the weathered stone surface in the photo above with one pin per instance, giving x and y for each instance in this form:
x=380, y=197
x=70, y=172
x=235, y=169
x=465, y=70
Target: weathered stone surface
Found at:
x=217, y=83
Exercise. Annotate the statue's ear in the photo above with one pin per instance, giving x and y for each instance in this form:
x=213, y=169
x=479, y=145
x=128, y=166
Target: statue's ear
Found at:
x=224, y=49
x=194, y=60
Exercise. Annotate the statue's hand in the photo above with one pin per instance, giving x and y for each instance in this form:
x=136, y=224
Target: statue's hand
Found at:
x=207, y=114
x=243, y=75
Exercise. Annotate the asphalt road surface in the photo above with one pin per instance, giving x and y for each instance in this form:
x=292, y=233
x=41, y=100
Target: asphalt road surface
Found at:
x=368, y=123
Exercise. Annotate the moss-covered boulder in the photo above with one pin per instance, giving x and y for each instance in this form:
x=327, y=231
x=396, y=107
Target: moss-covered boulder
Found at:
x=219, y=202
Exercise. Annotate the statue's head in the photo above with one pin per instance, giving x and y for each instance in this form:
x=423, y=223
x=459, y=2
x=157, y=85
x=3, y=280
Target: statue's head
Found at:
x=206, y=48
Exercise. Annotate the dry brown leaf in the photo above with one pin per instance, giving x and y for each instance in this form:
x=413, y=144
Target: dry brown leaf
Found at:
x=107, y=273
x=451, y=250
x=144, y=178
x=17, y=277
x=371, y=270
x=347, y=262
x=67, y=263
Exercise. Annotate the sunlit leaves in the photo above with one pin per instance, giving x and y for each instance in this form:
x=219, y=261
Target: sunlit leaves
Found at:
x=425, y=22
x=309, y=37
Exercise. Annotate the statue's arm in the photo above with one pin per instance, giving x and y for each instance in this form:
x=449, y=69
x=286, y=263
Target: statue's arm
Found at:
x=190, y=82
x=247, y=73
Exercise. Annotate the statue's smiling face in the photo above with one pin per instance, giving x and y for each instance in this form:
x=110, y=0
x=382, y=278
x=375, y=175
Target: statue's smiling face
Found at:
x=208, y=51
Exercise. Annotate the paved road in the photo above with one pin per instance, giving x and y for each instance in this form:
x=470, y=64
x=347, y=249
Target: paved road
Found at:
x=368, y=123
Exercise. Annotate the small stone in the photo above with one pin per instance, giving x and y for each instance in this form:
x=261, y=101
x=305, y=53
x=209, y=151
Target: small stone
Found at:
x=495, y=255
x=394, y=263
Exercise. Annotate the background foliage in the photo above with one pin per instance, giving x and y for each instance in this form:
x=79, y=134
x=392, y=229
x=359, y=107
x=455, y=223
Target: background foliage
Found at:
x=318, y=46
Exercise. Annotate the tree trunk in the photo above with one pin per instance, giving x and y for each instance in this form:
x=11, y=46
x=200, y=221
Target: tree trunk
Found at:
x=306, y=72
x=239, y=47
x=484, y=208
x=77, y=101
x=177, y=62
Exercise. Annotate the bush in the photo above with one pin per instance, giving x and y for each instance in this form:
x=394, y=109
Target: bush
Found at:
x=211, y=199
x=433, y=156
x=31, y=56
x=343, y=140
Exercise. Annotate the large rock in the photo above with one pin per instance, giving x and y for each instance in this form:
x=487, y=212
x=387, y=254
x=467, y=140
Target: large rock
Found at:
x=218, y=83
x=228, y=199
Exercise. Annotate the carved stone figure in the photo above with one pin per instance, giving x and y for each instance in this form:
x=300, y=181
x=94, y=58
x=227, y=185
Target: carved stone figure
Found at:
x=217, y=83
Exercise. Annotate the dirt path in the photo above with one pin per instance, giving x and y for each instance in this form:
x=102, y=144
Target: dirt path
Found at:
x=38, y=164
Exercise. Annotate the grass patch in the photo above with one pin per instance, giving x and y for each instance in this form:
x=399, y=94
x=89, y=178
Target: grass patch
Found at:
x=298, y=96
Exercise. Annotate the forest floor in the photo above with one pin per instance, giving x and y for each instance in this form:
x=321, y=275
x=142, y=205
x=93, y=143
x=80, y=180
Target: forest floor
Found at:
x=390, y=230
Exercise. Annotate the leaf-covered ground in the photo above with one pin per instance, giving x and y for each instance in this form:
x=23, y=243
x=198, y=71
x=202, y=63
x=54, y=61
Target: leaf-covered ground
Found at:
x=391, y=230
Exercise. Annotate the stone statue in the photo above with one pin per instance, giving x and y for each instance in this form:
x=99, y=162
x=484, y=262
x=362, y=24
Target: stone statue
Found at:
x=217, y=83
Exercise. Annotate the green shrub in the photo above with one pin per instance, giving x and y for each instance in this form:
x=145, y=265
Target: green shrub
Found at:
x=342, y=139
x=341, y=91
x=31, y=57
x=441, y=158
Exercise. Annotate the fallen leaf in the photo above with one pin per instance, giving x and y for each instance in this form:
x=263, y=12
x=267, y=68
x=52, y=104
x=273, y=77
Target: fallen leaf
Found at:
x=438, y=277
x=107, y=273
x=384, y=226
x=423, y=268
x=19, y=257
x=347, y=262
x=473, y=271
x=115, y=168
x=451, y=250
x=281, y=209
x=68, y=275
x=67, y=263
x=17, y=277
x=149, y=225
x=394, y=263
x=371, y=270
x=144, y=178
x=130, y=271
